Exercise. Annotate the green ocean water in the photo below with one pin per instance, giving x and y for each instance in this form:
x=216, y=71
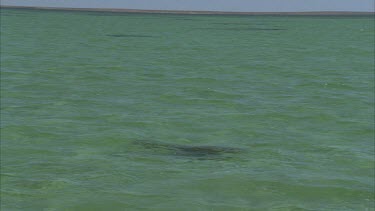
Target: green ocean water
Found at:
x=104, y=111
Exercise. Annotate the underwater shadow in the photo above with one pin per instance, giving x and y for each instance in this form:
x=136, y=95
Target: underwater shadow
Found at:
x=129, y=35
x=203, y=152
x=244, y=29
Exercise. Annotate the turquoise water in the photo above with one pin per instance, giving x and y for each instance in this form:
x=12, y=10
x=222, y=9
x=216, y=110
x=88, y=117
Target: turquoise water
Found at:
x=104, y=111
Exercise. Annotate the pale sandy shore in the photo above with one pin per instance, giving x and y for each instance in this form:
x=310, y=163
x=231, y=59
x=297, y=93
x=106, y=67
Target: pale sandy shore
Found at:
x=315, y=13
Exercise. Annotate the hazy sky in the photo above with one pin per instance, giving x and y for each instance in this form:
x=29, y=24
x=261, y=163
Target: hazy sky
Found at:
x=216, y=5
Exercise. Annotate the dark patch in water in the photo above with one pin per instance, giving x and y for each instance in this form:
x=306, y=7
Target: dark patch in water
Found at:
x=243, y=24
x=244, y=29
x=131, y=16
x=184, y=19
x=201, y=152
x=107, y=14
x=236, y=24
x=129, y=35
x=18, y=14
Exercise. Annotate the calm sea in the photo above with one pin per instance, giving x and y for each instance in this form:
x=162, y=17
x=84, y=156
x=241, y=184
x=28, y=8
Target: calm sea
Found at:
x=105, y=111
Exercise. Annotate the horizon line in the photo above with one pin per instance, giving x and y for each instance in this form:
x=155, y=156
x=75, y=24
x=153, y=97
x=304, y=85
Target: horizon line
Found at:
x=189, y=12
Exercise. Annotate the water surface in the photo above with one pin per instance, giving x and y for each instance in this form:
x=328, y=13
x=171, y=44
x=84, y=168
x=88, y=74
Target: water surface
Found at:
x=104, y=111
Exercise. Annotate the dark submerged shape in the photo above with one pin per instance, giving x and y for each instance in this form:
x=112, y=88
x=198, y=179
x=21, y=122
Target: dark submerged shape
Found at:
x=245, y=29
x=203, y=151
x=127, y=35
x=184, y=19
x=234, y=24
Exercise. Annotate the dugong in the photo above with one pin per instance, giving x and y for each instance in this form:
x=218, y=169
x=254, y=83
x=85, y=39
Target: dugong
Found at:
x=198, y=151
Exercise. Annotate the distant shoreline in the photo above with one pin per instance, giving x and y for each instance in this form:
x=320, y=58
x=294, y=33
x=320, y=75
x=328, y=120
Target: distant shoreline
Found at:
x=184, y=12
